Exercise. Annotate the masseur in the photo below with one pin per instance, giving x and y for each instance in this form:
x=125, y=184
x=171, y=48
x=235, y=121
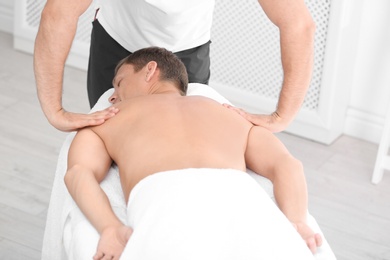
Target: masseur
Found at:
x=160, y=129
x=124, y=26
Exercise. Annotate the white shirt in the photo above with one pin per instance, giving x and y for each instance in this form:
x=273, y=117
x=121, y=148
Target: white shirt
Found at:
x=173, y=24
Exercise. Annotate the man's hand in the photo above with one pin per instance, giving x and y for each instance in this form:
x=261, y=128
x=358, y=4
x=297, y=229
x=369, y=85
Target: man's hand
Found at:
x=272, y=122
x=67, y=121
x=112, y=242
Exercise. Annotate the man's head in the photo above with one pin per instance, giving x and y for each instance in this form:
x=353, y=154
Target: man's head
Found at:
x=153, y=59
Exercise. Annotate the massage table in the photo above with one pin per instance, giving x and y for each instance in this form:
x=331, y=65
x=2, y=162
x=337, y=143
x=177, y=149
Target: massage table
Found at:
x=69, y=235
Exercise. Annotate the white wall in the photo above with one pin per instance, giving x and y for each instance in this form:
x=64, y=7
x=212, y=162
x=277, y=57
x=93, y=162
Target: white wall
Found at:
x=6, y=15
x=370, y=90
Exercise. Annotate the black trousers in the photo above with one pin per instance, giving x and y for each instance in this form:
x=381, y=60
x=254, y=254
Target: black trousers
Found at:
x=105, y=53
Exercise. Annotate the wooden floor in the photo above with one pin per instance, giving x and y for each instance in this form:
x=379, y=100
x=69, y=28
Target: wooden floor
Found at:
x=353, y=213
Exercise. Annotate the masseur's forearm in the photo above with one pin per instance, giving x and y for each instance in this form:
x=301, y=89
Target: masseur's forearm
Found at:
x=296, y=29
x=90, y=198
x=297, y=61
x=54, y=39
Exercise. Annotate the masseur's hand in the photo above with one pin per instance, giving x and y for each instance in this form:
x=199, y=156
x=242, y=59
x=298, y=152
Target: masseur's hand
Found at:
x=112, y=242
x=272, y=122
x=68, y=121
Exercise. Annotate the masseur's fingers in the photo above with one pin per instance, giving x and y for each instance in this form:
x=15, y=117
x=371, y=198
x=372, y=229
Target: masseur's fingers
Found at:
x=271, y=122
x=67, y=121
x=238, y=110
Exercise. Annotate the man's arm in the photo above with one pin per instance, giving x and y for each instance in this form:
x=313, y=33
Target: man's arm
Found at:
x=88, y=164
x=296, y=29
x=266, y=155
x=52, y=45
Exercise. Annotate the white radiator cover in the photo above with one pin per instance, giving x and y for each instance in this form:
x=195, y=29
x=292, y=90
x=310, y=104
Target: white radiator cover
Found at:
x=246, y=50
x=245, y=59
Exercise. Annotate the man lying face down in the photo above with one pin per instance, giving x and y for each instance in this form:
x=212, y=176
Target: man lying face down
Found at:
x=182, y=162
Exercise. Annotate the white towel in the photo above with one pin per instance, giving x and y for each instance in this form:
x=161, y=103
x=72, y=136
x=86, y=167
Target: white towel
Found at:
x=208, y=214
x=60, y=239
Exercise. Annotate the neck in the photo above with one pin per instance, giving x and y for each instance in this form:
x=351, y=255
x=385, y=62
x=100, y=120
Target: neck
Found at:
x=163, y=87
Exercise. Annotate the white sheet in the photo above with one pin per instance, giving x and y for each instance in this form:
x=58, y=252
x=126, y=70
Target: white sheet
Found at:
x=208, y=214
x=66, y=228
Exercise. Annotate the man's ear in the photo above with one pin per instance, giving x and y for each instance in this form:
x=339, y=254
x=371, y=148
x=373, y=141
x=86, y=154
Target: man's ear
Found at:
x=151, y=70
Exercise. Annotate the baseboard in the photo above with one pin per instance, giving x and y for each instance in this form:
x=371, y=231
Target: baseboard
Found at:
x=363, y=125
x=6, y=18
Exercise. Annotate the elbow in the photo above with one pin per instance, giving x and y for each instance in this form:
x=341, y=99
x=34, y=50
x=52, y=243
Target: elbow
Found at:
x=57, y=12
x=68, y=178
x=309, y=27
x=300, y=28
x=292, y=163
x=49, y=13
x=295, y=167
x=51, y=19
x=289, y=167
x=77, y=176
x=306, y=27
x=296, y=164
x=71, y=176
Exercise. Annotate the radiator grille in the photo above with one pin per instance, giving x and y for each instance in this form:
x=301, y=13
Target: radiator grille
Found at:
x=33, y=12
x=246, y=51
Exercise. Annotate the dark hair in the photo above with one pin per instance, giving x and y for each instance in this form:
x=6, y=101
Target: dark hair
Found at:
x=170, y=66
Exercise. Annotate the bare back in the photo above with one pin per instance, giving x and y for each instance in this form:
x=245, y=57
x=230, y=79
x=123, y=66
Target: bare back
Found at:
x=163, y=132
